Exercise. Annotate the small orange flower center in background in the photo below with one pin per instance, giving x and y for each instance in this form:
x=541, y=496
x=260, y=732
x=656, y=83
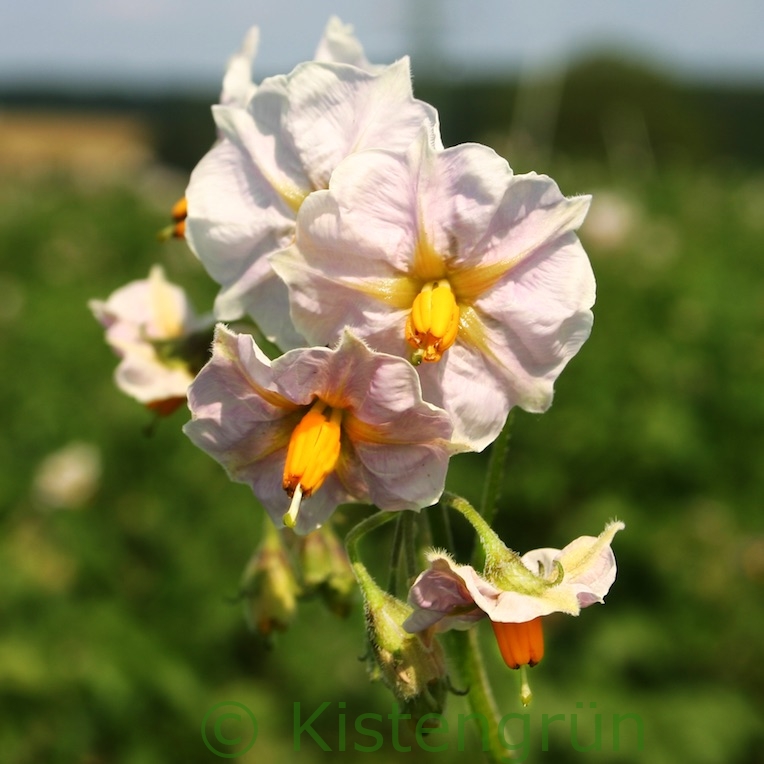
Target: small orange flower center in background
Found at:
x=520, y=643
x=312, y=455
x=178, y=213
x=180, y=209
x=433, y=323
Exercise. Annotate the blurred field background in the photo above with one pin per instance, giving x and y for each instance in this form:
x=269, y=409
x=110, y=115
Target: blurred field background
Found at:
x=119, y=626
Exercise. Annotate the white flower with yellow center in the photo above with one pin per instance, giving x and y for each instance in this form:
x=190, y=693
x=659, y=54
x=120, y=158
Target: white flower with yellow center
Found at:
x=514, y=592
x=243, y=197
x=152, y=327
x=451, y=260
x=319, y=427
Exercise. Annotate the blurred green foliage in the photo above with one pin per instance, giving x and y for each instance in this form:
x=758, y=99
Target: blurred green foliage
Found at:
x=120, y=625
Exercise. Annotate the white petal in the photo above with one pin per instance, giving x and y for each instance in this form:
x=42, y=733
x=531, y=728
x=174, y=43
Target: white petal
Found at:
x=466, y=385
x=235, y=219
x=590, y=563
x=532, y=213
x=340, y=45
x=322, y=300
x=337, y=110
x=238, y=87
x=458, y=191
x=143, y=377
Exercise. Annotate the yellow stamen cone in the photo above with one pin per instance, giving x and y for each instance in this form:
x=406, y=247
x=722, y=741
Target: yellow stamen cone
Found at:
x=179, y=209
x=177, y=230
x=433, y=323
x=520, y=643
x=312, y=455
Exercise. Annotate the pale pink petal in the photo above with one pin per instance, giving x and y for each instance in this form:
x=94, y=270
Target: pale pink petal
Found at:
x=589, y=562
x=458, y=193
x=384, y=393
x=467, y=386
x=532, y=213
x=340, y=45
x=235, y=218
x=540, y=316
x=238, y=414
x=401, y=476
x=260, y=131
x=337, y=110
x=585, y=573
x=321, y=305
x=244, y=409
x=435, y=595
x=143, y=377
x=238, y=86
x=372, y=212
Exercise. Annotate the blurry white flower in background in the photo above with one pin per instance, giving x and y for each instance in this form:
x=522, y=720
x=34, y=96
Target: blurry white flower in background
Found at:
x=68, y=478
x=612, y=219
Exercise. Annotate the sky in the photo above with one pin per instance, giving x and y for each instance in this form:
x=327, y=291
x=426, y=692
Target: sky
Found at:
x=187, y=42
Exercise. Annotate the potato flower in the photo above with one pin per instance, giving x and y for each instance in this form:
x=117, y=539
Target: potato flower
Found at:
x=151, y=325
x=244, y=195
x=338, y=44
x=448, y=258
x=238, y=85
x=514, y=592
x=318, y=427
x=238, y=88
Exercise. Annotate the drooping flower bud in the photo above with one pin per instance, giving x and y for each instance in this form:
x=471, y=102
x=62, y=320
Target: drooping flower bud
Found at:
x=411, y=665
x=326, y=569
x=269, y=586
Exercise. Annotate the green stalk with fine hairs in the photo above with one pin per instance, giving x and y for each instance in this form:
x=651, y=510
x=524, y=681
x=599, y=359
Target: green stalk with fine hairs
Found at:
x=464, y=648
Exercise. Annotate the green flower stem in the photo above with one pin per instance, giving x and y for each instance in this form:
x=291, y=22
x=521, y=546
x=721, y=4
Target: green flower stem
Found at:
x=465, y=649
x=495, y=478
x=494, y=481
x=409, y=531
x=449, y=532
x=492, y=546
x=351, y=544
x=395, y=554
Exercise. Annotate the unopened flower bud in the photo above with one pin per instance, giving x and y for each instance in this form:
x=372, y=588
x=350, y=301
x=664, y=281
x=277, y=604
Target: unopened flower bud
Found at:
x=326, y=569
x=269, y=587
x=411, y=665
